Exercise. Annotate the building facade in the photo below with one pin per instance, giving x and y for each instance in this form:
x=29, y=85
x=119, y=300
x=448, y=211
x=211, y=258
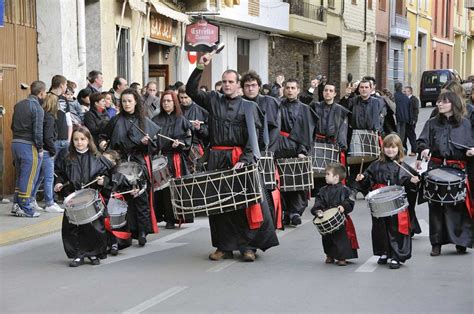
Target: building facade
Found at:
x=442, y=38
x=462, y=40
x=382, y=44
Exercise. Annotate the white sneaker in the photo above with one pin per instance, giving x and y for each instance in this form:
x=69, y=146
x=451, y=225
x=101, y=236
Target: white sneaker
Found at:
x=53, y=209
x=35, y=206
x=15, y=208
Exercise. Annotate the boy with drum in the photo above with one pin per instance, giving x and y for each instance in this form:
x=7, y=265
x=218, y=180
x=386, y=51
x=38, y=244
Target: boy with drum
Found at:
x=390, y=223
x=341, y=243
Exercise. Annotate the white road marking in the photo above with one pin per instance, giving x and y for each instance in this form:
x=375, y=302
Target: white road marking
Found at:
x=425, y=228
x=220, y=266
x=155, y=300
x=369, y=266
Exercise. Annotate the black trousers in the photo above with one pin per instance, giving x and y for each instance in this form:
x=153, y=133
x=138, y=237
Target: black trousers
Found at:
x=411, y=136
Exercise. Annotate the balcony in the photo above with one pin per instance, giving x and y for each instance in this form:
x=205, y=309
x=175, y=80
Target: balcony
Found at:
x=307, y=21
x=307, y=10
x=400, y=27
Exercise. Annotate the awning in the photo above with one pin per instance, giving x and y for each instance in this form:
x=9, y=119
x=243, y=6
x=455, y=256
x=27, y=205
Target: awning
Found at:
x=138, y=5
x=169, y=12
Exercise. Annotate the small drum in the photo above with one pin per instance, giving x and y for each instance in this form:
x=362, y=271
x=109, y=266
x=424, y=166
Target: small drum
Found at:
x=215, y=192
x=117, y=210
x=331, y=221
x=83, y=206
x=266, y=165
x=132, y=171
x=445, y=185
x=296, y=174
x=364, y=146
x=387, y=201
x=323, y=155
x=161, y=173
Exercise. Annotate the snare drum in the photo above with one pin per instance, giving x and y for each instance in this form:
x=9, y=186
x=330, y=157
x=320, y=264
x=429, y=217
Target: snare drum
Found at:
x=117, y=210
x=132, y=171
x=161, y=173
x=332, y=220
x=323, y=155
x=387, y=201
x=364, y=146
x=445, y=185
x=215, y=192
x=296, y=174
x=266, y=166
x=83, y=206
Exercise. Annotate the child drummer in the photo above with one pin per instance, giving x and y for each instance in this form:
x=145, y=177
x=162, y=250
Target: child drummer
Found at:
x=391, y=235
x=341, y=244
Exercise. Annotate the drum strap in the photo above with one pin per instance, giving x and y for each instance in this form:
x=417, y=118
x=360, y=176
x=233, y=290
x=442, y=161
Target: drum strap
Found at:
x=462, y=165
x=254, y=212
x=403, y=216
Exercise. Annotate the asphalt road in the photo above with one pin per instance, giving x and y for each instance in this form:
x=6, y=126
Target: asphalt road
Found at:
x=172, y=274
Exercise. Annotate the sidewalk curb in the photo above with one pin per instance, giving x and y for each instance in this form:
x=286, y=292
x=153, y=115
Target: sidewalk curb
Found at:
x=31, y=231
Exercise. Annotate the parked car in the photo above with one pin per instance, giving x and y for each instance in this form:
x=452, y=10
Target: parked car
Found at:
x=431, y=82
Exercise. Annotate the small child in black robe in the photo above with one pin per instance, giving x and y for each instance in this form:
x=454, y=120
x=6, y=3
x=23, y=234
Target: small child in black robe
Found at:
x=341, y=244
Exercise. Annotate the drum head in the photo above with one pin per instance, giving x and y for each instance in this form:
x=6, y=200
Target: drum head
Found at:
x=130, y=170
x=160, y=162
x=80, y=198
x=116, y=206
x=328, y=214
x=385, y=193
x=445, y=175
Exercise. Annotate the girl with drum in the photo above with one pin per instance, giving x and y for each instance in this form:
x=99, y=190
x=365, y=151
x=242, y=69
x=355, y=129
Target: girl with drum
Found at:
x=448, y=139
x=175, y=126
x=133, y=135
x=77, y=166
x=340, y=243
x=390, y=217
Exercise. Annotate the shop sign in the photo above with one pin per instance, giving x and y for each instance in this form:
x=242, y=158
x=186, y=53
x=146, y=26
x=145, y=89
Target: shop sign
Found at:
x=161, y=27
x=201, y=36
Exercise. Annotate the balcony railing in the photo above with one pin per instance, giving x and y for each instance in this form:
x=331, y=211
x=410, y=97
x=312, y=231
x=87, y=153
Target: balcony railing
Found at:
x=308, y=10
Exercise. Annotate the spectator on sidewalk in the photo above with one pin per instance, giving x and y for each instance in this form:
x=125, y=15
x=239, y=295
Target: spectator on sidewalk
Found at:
x=402, y=103
x=74, y=105
x=118, y=86
x=96, y=80
x=109, y=104
x=97, y=118
x=50, y=107
x=27, y=148
x=151, y=101
x=63, y=121
x=84, y=101
x=411, y=127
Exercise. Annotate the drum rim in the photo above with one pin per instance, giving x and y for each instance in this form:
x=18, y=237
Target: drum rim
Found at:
x=246, y=169
x=85, y=221
x=392, y=212
x=75, y=193
x=386, y=188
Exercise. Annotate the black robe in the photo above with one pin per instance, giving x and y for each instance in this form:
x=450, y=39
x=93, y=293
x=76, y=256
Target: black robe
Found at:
x=200, y=141
x=125, y=138
x=299, y=120
x=89, y=239
x=336, y=245
x=229, y=126
x=176, y=127
x=386, y=238
x=449, y=223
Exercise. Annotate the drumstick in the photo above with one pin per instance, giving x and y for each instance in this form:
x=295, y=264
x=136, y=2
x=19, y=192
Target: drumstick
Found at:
x=412, y=175
x=92, y=182
x=171, y=139
x=126, y=192
x=141, y=131
x=460, y=145
x=361, y=166
x=196, y=121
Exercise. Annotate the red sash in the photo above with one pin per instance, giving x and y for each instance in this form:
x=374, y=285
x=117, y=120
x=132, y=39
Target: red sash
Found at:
x=154, y=224
x=177, y=165
x=276, y=196
x=403, y=216
x=285, y=134
x=351, y=233
x=462, y=165
x=254, y=212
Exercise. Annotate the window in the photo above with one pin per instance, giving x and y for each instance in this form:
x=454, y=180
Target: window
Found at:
x=396, y=58
x=383, y=5
x=446, y=27
x=459, y=7
x=331, y=4
x=123, y=54
x=441, y=60
x=434, y=59
x=399, y=7
x=254, y=8
x=369, y=4
x=409, y=66
x=354, y=1
x=435, y=17
x=243, y=55
x=447, y=60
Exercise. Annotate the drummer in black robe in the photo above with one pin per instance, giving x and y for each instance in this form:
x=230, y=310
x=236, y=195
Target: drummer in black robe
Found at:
x=125, y=134
x=391, y=236
x=366, y=114
x=75, y=167
x=269, y=133
x=342, y=243
x=175, y=126
x=298, y=124
x=198, y=117
x=449, y=223
x=331, y=127
x=233, y=124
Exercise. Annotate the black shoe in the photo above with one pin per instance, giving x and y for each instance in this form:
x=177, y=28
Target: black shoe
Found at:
x=394, y=264
x=170, y=225
x=460, y=249
x=76, y=262
x=114, y=249
x=94, y=260
x=286, y=220
x=435, y=250
x=296, y=220
x=142, y=239
x=382, y=261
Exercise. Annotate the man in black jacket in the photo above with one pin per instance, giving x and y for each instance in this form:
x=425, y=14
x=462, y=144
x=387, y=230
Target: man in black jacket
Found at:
x=27, y=148
x=411, y=126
